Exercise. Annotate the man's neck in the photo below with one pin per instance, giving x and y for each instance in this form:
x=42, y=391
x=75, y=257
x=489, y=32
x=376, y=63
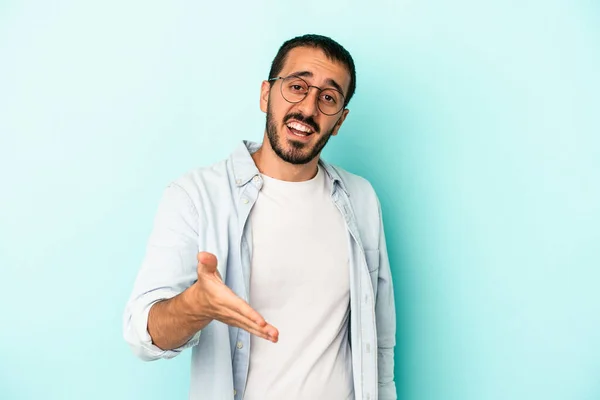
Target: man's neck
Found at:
x=272, y=165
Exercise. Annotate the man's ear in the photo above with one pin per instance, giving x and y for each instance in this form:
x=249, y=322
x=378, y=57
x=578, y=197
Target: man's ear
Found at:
x=338, y=124
x=265, y=89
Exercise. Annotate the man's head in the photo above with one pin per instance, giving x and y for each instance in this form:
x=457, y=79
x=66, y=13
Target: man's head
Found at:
x=311, y=81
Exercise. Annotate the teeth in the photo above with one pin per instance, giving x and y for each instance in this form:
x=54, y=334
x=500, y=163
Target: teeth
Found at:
x=299, y=127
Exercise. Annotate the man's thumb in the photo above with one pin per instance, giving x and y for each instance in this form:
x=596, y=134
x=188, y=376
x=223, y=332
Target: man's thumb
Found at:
x=208, y=261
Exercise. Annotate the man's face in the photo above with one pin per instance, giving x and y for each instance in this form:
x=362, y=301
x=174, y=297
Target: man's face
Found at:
x=297, y=132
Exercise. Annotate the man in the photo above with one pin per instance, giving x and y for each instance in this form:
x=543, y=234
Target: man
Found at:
x=272, y=264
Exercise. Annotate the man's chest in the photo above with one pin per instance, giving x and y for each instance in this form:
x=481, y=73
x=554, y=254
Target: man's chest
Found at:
x=298, y=249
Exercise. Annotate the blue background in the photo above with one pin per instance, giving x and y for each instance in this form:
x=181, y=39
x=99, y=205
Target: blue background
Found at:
x=476, y=121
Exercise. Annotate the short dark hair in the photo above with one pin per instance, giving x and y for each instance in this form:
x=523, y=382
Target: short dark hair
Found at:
x=332, y=49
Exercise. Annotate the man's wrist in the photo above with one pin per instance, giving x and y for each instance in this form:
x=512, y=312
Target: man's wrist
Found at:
x=192, y=306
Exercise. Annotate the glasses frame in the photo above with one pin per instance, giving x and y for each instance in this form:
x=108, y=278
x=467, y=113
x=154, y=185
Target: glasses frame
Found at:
x=308, y=89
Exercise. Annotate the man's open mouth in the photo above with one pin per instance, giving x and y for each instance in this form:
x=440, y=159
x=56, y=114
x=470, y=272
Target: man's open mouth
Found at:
x=299, y=129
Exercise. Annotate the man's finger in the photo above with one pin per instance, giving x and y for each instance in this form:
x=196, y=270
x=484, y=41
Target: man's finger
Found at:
x=247, y=314
x=240, y=307
x=268, y=329
x=267, y=332
x=208, y=261
x=235, y=304
x=262, y=335
x=240, y=310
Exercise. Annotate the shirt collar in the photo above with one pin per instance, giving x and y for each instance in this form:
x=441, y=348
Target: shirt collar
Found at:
x=244, y=168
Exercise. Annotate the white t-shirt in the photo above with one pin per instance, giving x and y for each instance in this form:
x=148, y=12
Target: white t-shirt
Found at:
x=299, y=283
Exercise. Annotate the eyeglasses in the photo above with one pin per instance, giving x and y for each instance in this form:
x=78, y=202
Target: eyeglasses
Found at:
x=295, y=89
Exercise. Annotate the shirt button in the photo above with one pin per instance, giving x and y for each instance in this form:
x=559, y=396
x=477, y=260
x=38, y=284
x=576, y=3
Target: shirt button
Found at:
x=245, y=200
x=234, y=392
x=256, y=179
x=239, y=181
x=240, y=345
x=368, y=348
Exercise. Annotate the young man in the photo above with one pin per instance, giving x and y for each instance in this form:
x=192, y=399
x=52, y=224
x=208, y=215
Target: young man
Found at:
x=272, y=264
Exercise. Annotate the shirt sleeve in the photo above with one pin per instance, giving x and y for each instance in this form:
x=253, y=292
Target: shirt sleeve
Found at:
x=385, y=312
x=168, y=268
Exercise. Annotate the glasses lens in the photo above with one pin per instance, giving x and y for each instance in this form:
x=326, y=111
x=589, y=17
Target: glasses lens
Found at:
x=330, y=101
x=294, y=89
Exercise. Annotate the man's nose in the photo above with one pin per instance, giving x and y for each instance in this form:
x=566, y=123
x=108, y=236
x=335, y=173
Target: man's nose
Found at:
x=308, y=105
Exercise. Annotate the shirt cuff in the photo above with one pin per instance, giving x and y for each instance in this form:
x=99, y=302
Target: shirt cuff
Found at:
x=142, y=344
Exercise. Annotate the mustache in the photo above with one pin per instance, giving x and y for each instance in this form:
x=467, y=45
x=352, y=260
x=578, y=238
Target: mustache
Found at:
x=301, y=118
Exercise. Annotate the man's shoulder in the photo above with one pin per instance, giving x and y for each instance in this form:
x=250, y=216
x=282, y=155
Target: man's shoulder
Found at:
x=354, y=184
x=238, y=167
x=202, y=177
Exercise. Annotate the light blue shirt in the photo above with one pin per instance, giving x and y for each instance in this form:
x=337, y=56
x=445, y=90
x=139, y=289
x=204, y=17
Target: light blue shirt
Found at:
x=207, y=210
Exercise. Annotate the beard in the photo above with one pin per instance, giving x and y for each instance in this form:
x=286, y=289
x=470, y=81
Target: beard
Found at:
x=299, y=153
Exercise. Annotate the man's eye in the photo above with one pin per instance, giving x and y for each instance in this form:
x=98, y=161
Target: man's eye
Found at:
x=329, y=99
x=297, y=88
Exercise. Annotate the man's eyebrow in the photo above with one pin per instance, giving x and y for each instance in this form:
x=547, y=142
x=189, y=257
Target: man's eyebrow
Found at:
x=330, y=82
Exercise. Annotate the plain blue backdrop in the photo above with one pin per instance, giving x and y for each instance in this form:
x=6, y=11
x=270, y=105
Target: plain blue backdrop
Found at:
x=476, y=121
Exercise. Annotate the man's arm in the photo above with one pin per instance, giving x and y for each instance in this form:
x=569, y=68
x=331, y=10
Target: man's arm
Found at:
x=385, y=312
x=176, y=294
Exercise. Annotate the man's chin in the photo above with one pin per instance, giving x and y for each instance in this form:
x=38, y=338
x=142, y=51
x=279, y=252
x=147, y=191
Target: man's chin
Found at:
x=293, y=149
x=295, y=152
